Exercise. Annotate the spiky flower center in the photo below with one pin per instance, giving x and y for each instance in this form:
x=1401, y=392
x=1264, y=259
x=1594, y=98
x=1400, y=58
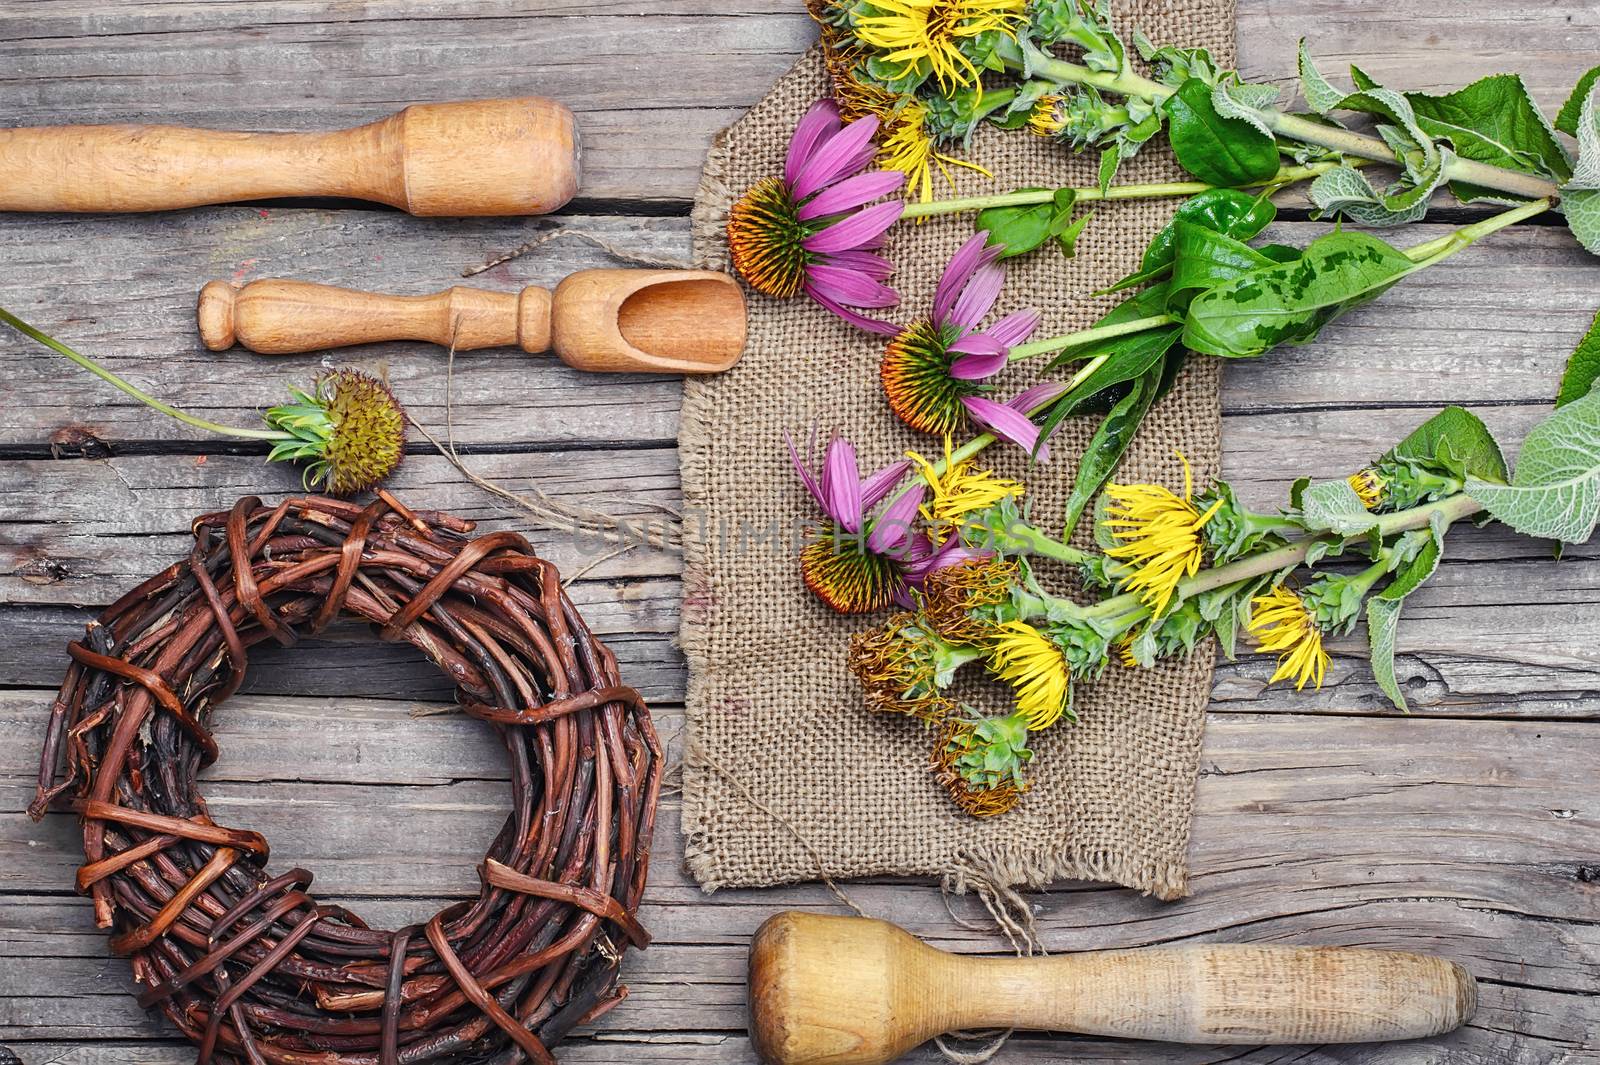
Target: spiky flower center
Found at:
x=349, y=428
x=954, y=597
x=840, y=571
x=916, y=379
x=766, y=238
x=898, y=665
x=979, y=763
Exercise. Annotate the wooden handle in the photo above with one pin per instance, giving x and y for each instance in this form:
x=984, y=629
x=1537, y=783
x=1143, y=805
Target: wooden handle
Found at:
x=278, y=317
x=808, y=1009
x=480, y=157
x=639, y=321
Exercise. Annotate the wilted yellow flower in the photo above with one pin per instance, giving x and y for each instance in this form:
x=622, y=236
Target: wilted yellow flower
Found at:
x=1037, y=671
x=960, y=490
x=951, y=594
x=1281, y=625
x=911, y=32
x=1368, y=484
x=1046, y=118
x=898, y=664
x=1161, y=536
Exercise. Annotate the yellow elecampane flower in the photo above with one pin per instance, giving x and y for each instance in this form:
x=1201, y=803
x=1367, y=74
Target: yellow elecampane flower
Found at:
x=1160, y=534
x=912, y=32
x=1035, y=668
x=960, y=490
x=1281, y=625
x=1368, y=485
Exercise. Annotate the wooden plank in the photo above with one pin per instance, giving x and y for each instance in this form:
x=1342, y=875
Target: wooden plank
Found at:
x=1478, y=853
x=228, y=64
x=1525, y=295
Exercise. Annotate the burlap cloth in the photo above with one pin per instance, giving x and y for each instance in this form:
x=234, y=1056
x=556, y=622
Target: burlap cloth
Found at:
x=787, y=776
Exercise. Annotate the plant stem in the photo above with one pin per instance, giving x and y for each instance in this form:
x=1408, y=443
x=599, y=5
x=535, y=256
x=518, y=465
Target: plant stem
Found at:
x=143, y=397
x=1089, y=336
x=1450, y=509
x=1440, y=248
x=1287, y=176
x=1037, y=543
x=1293, y=127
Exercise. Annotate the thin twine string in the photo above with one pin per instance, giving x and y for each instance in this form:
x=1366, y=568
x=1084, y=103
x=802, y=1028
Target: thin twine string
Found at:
x=546, y=511
x=615, y=251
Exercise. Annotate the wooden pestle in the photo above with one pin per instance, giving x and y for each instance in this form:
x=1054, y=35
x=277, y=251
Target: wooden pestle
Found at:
x=477, y=157
x=651, y=321
x=851, y=991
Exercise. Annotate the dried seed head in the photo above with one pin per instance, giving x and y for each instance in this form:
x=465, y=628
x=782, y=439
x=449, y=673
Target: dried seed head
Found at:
x=952, y=593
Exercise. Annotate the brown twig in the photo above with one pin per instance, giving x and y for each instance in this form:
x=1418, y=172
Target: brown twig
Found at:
x=249, y=965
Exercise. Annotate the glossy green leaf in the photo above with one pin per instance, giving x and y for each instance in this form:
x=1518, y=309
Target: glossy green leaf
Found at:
x=1232, y=212
x=1022, y=228
x=1204, y=259
x=1495, y=120
x=1105, y=449
x=1291, y=302
x=1216, y=149
x=1567, y=120
x=1583, y=366
x=1454, y=441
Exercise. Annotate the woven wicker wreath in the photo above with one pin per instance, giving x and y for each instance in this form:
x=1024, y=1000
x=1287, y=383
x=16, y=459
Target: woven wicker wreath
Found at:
x=249, y=965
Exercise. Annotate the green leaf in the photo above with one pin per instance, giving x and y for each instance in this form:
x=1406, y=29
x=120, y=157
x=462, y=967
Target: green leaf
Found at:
x=1216, y=149
x=1110, y=159
x=1021, y=229
x=1555, y=491
x=1347, y=191
x=1319, y=93
x=1582, y=367
x=1582, y=210
x=1105, y=448
x=1494, y=120
x=1233, y=98
x=1067, y=239
x=1454, y=441
x=1237, y=214
x=1567, y=120
x=1291, y=302
x=1204, y=259
x=1333, y=506
x=1383, y=616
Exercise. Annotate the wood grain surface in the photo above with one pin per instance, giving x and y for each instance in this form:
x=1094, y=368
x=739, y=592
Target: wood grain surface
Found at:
x=1470, y=828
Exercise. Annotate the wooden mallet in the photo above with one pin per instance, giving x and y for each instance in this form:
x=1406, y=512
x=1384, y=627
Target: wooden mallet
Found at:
x=635, y=321
x=852, y=991
x=476, y=157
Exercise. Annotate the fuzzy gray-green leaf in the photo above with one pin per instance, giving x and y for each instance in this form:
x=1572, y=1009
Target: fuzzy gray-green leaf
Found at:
x=1555, y=489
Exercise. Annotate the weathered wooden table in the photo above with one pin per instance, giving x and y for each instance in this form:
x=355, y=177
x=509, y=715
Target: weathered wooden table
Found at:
x=1471, y=828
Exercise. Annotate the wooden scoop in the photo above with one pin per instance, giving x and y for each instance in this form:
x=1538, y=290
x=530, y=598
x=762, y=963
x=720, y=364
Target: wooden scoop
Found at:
x=650, y=321
x=478, y=157
x=851, y=991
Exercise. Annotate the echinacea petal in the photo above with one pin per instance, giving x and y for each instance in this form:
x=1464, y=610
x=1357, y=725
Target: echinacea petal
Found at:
x=976, y=299
x=841, y=485
x=981, y=356
x=1032, y=399
x=860, y=321
x=851, y=287
x=876, y=267
x=805, y=474
x=818, y=124
x=893, y=528
x=851, y=193
x=967, y=259
x=836, y=157
x=853, y=231
x=1007, y=423
x=1015, y=327
x=875, y=487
